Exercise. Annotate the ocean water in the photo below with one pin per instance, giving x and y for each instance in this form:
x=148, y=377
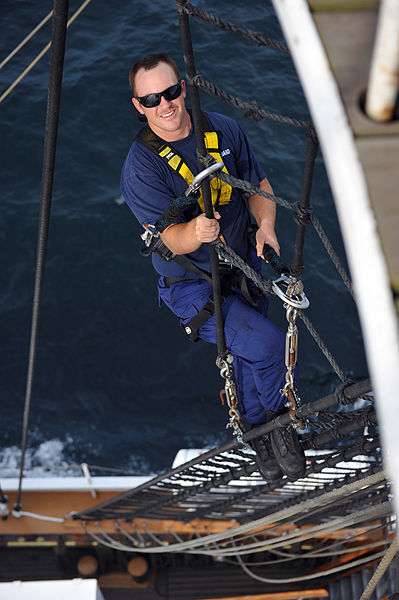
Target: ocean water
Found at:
x=116, y=382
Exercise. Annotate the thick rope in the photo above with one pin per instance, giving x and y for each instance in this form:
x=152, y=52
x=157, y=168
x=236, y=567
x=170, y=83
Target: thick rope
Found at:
x=50, y=143
x=210, y=19
x=25, y=40
x=277, y=516
x=317, y=575
x=185, y=32
x=23, y=513
x=208, y=544
x=250, y=109
x=382, y=567
x=40, y=55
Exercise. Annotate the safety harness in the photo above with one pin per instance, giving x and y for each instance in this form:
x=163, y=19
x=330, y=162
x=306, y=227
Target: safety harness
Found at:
x=220, y=191
x=221, y=194
x=229, y=277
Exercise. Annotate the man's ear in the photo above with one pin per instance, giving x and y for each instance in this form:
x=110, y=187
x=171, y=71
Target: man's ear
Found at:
x=137, y=105
x=140, y=113
x=183, y=87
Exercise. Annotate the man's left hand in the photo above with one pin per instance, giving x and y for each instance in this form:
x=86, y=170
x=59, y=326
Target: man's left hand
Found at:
x=266, y=235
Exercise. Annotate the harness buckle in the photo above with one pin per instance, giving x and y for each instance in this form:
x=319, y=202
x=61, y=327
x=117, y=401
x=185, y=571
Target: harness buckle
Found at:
x=153, y=243
x=198, y=179
x=149, y=234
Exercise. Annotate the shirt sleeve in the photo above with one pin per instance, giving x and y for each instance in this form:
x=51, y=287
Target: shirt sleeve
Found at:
x=143, y=185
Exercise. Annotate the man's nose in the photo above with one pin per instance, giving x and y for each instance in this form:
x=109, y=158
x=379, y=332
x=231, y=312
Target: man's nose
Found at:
x=164, y=102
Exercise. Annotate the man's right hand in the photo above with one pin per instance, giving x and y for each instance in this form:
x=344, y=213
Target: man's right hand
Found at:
x=207, y=230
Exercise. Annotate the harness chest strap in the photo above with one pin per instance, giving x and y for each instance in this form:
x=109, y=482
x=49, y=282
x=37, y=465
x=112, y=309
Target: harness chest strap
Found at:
x=220, y=191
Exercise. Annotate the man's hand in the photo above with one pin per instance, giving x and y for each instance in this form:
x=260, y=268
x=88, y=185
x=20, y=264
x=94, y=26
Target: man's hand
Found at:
x=266, y=235
x=207, y=230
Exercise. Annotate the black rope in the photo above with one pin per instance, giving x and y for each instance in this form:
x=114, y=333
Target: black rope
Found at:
x=340, y=392
x=205, y=186
x=303, y=209
x=174, y=210
x=210, y=19
x=58, y=37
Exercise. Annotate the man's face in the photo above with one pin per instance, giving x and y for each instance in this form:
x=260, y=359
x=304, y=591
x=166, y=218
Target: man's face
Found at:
x=169, y=119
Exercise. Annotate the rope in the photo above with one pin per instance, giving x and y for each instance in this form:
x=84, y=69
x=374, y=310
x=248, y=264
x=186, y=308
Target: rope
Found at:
x=52, y=116
x=303, y=207
x=250, y=109
x=25, y=40
x=40, y=55
x=382, y=567
x=268, y=520
x=322, y=346
x=210, y=19
x=22, y=513
x=227, y=254
x=332, y=254
x=324, y=529
x=317, y=575
x=185, y=32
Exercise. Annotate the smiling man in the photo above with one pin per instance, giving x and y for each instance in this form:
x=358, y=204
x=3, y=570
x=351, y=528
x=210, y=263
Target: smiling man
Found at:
x=160, y=164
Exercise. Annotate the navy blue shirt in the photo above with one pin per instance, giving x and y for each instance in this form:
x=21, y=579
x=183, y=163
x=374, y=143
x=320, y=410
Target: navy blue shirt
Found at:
x=149, y=186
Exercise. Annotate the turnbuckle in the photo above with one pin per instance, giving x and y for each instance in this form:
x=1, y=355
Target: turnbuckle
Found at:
x=230, y=394
x=290, y=290
x=291, y=353
x=198, y=179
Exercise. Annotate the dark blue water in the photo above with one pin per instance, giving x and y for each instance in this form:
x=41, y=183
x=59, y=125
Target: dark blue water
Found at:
x=116, y=382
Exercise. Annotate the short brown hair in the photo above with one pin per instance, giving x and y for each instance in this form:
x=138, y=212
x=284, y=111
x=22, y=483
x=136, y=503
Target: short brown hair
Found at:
x=149, y=61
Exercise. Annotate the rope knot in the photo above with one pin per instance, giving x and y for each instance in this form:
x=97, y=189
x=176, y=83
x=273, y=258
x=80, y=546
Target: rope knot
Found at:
x=252, y=111
x=368, y=417
x=302, y=215
x=311, y=134
x=340, y=393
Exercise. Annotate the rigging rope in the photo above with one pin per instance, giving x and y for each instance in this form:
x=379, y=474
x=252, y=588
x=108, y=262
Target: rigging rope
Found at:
x=26, y=39
x=40, y=55
x=184, y=25
x=254, y=36
x=50, y=142
x=317, y=575
x=303, y=208
x=278, y=516
x=382, y=567
x=250, y=109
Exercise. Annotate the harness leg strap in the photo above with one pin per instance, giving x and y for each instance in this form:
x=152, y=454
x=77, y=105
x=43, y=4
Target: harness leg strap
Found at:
x=193, y=326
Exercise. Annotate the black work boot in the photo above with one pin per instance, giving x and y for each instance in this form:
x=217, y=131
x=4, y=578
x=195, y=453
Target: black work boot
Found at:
x=287, y=448
x=265, y=459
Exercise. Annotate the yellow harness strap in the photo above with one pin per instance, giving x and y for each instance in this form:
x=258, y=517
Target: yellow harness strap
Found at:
x=220, y=191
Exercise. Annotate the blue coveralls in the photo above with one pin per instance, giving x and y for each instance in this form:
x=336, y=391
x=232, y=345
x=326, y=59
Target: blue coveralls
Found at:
x=256, y=344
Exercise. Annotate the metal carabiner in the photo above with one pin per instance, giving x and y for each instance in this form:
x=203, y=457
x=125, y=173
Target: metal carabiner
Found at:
x=198, y=179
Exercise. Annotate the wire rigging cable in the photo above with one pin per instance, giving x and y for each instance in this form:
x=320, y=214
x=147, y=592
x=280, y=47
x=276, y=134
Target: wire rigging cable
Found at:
x=26, y=39
x=40, y=55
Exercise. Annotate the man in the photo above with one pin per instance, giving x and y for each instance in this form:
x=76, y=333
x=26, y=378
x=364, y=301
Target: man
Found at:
x=153, y=175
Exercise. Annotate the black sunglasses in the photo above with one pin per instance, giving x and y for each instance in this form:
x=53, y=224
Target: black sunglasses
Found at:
x=152, y=100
